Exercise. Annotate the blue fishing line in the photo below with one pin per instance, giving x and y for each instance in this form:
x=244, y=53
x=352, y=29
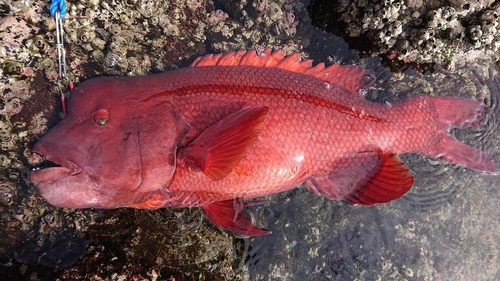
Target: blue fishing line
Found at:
x=58, y=5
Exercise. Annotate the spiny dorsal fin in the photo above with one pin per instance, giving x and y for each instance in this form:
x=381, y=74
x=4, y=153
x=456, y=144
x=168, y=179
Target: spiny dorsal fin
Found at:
x=354, y=79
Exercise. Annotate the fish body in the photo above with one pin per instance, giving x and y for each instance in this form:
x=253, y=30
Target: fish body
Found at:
x=239, y=126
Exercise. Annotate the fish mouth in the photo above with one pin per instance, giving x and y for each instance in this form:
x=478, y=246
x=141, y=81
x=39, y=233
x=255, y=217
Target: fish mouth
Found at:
x=53, y=168
x=63, y=183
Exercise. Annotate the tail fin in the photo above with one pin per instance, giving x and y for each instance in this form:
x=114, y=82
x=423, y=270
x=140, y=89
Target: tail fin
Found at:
x=461, y=154
x=459, y=113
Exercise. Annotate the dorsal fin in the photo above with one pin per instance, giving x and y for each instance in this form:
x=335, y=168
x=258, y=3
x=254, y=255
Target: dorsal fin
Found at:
x=352, y=78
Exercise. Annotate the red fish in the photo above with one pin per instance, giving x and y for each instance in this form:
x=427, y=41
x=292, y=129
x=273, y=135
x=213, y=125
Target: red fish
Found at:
x=242, y=125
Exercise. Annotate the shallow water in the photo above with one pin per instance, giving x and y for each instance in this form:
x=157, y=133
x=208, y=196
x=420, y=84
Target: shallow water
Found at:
x=445, y=228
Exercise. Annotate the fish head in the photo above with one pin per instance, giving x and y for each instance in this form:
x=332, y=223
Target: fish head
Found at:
x=115, y=147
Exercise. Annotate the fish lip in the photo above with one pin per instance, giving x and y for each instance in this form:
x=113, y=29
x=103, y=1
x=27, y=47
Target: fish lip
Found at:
x=67, y=168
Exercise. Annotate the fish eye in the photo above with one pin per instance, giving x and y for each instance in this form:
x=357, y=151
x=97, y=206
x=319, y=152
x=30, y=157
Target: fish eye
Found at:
x=101, y=117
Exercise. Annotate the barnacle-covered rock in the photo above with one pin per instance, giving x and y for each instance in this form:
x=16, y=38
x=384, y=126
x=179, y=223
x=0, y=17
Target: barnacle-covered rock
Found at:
x=37, y=44
x=12, y=68
x=247, y=24
x=444, y=32
x=8, y=139
x=86, y=34
x=7, y=189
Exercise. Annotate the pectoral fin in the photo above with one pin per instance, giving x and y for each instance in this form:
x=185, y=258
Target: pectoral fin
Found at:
x=374, y=177
x=221, y=147
x=232, y=215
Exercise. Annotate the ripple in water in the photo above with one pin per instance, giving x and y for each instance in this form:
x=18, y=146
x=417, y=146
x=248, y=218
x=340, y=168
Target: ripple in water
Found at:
x=487, y=138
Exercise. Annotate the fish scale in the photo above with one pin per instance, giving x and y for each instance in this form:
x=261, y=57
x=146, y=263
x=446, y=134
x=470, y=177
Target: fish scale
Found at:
x=243, y=125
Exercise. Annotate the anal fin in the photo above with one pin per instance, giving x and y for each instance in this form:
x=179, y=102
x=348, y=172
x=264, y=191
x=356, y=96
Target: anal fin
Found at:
x=232, y=215
x=374, y=177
